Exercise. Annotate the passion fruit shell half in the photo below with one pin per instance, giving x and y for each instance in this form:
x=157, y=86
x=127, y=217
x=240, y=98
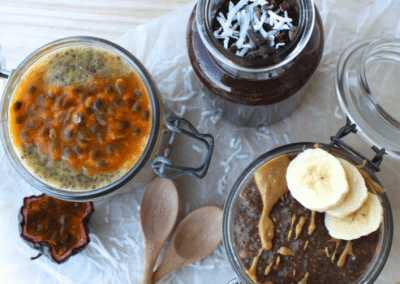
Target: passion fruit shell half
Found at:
x=57, y=228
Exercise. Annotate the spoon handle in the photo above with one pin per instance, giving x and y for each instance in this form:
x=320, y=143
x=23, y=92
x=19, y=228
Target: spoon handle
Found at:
x=151, y=252
x=171, y=262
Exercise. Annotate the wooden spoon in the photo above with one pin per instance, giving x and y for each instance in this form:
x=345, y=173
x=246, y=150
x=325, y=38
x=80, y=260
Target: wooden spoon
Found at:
x=195, y=238
x=158, y=214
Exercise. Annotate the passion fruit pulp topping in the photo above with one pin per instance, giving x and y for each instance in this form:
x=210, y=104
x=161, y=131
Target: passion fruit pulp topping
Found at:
x=80, y=118
x=56, y=228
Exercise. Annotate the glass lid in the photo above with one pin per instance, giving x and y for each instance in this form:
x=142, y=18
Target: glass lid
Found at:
x=368, y=93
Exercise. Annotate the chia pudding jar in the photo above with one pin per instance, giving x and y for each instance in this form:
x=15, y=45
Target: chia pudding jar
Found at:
x=251, y=91
x=311, y=261
x=373, y=115
x=82, y=119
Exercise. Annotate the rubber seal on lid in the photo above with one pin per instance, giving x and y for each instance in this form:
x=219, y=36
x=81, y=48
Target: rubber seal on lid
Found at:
x=364, y=73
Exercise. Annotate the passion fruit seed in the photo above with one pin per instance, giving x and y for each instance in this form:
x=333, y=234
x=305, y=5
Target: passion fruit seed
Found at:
x=138, y=94
x=146, y=115
x=84, y=135
x=101, y=137
x=110, y=149
x=102, y=163
x=33, y=123
x=53, y=134
x=69, y=132
x=17, y=105
x=119, y=103
x=123, y=125
x=120, y=86
x=20, y=119
x=137, y=132
x=102, y=118
x=94, y=154
x=98, y=105
x=78, y=150
x=136, y=108
x=94, y=86
x=32, y=89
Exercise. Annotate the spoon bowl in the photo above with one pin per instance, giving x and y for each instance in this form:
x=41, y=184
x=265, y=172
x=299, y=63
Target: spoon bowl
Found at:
x=195, y=237
x=158, y=214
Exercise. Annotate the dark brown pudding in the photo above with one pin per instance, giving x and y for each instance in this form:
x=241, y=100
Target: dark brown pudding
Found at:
x=302, y=249
x=237, y=94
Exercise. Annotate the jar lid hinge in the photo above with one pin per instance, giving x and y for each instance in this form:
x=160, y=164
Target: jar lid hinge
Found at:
x=351, y=128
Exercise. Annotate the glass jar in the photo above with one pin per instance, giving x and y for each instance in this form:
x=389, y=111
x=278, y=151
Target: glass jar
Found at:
x=386, y=233
x=155, y=153
x=359, y=67
x=254, y=92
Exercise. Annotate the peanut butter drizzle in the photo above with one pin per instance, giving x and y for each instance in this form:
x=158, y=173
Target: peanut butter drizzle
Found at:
x=375, y=186
x=305, y=279
x=294, y=219
x=364, y=162
x=278, y=260
x=252, y=272
x=348, y=250
x=327, y=252
x=337, y=246
x=306, y=245
x=268, y=269
x=271, y=182
x=300, y=225
x=312, y=226
x=285, y=251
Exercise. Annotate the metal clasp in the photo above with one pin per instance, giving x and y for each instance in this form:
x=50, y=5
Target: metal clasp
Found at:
x=164, y=167
x=351, y=128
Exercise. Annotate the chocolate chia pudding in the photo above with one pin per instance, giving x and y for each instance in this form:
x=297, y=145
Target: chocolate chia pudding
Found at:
x=260, y=83
x=80, y=117
x=297, y=246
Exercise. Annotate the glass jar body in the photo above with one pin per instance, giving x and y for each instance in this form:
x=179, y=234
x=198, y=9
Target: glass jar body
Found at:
x=254, y=96
x=105, y=190
x=230, y=210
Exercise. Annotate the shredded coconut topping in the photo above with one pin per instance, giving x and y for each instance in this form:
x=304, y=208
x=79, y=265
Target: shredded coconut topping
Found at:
x=250, y=24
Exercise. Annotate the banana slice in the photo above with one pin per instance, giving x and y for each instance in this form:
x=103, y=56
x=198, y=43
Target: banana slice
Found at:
x=356, y=195
x=317, y=180
x=364, y=221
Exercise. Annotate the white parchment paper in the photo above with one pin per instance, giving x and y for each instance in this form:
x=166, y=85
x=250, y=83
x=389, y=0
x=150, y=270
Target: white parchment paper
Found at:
x=115, y=253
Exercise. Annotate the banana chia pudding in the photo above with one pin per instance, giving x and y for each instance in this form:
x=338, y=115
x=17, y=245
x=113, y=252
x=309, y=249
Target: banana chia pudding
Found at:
x=80, y=117
x=278, y=240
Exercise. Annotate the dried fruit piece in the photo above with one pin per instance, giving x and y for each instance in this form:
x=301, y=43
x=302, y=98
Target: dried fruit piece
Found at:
x=57, y=228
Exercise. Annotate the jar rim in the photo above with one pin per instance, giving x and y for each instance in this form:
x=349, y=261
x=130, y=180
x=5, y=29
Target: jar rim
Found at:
x=377, y=263
x=355, y=98
x=306, y=25
x=136, y=170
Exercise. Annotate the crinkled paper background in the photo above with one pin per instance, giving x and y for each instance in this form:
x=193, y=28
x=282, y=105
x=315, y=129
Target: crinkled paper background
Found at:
x=115, y=254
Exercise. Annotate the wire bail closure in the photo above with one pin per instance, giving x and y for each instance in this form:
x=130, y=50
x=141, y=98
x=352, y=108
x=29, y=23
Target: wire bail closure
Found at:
x=164, y=167
x=352, y=128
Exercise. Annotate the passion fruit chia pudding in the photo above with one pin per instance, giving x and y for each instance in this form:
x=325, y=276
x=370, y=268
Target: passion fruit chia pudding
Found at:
x=80, y=117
